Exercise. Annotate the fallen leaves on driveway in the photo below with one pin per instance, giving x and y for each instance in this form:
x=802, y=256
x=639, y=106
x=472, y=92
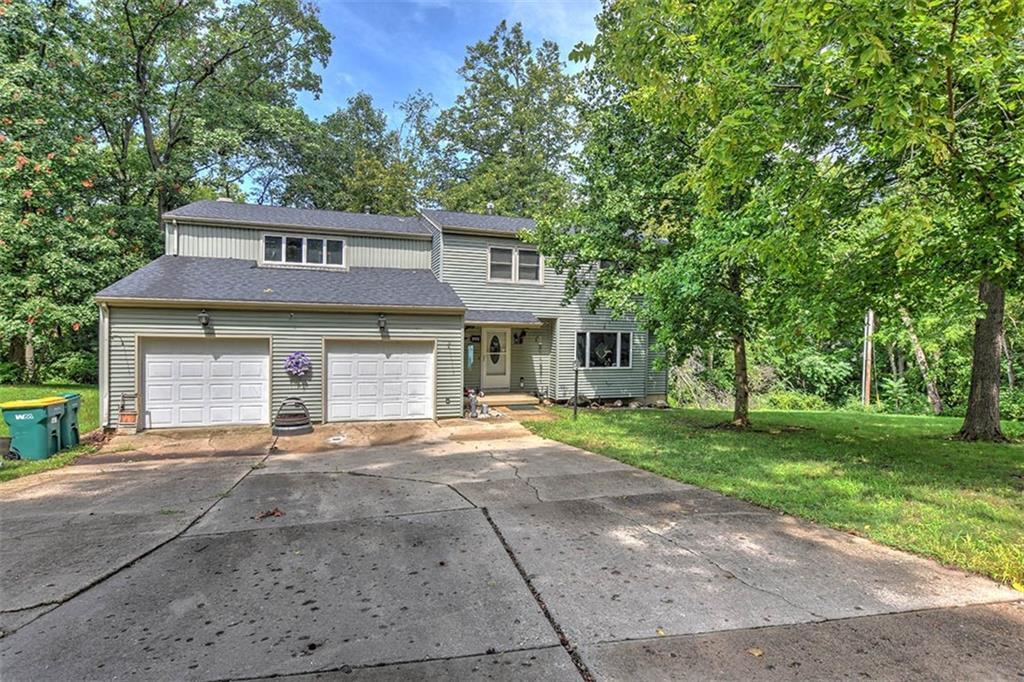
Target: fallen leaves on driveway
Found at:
x=267, y=514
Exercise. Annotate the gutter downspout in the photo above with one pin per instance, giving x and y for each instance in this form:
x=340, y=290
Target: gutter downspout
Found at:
x=104, y=369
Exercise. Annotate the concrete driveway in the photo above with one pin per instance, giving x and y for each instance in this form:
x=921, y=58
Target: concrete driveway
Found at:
x=468, y=551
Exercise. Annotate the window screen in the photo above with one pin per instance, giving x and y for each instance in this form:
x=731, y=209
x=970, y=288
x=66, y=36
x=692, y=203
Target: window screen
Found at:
x=501, y=264
x=529, y=266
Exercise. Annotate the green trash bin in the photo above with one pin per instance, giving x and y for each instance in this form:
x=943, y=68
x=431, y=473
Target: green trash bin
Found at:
x=69, y=422
x=34, y=426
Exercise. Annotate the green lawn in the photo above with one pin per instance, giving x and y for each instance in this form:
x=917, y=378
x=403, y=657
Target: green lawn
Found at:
x=88, y=419
x=898, y=480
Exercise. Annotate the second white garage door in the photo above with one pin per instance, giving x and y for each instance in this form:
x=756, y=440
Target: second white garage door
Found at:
x=380, y=380
x=203, y=382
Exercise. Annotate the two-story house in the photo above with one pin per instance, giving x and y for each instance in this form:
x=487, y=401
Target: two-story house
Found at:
x=397, y=316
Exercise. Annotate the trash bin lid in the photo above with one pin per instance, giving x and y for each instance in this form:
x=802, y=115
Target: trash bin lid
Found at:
x=29, y=404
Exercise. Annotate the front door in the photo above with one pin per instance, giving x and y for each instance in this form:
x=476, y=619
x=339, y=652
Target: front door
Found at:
x=494, y=346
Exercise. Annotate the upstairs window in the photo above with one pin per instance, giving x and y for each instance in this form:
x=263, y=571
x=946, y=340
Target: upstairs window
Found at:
x=301, y=250
x=529, y=266
x=604, y=349
x=501, y=264
x=514, y=265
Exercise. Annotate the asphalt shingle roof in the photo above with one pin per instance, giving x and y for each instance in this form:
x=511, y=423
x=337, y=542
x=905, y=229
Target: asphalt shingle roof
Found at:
x=476, y=221
x=501, y=316
x=305, y=218
x=187, y=278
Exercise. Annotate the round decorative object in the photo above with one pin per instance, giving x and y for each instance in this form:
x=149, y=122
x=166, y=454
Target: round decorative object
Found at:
x=298, y=365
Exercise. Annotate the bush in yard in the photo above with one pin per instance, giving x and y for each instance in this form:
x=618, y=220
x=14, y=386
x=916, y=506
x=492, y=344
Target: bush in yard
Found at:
x=1011, y=402
x=74, y=367
x=791, y=400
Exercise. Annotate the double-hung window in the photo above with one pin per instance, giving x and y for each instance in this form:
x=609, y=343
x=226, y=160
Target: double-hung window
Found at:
x=514, y=265
x=302, y=250
x=500, y=266
x=604, y=349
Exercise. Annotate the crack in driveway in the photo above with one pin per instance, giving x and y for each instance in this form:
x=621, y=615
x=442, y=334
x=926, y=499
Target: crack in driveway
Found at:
x=700, y=555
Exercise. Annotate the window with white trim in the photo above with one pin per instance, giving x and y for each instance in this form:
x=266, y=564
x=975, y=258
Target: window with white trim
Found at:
x=604, y=349
x=290, y=249
x=500, y=264
x=528, y=269
x=507, y=264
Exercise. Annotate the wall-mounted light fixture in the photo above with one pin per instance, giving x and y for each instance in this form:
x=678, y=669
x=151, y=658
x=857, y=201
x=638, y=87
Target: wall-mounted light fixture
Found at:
x=204, y=318
x=382, y=324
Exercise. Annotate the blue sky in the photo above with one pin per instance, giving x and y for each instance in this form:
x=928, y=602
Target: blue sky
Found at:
x=391, y=48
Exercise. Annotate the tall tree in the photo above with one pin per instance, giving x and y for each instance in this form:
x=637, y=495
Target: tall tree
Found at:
x=59, y=238
x=913, y=108
x=191, y=88
x=506, y=138
x=639, y=241
x=351, y=161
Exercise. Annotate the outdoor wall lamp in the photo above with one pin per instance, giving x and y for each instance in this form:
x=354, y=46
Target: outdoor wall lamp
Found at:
x=204, y=318
x=382, y=324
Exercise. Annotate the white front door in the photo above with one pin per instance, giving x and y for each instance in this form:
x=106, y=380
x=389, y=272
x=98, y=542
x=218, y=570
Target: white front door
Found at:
x=495, y=372
x=380, y=380
x=205, y=382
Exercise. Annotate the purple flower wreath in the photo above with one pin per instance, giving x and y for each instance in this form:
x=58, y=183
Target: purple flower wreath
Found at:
x=298, y=364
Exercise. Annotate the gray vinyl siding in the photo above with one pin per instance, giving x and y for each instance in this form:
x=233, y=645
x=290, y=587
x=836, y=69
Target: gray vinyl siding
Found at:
x=465, y=268
x=657, y=382
x=218, y=241
x=436, y=249
x=288, y=332
x=529, y=360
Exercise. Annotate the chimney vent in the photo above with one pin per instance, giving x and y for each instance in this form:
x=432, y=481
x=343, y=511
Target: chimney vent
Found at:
x=366, y=209
x=490, y=208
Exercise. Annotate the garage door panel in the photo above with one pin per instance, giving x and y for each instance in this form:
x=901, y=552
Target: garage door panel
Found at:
x=190, y=416
x=190, y=392
x=198, y=382
x=248, y=369
x=251, y=390
x=224, y=414
x=159, y=392
x=159, y=370
x=416, y=368
x=370, y=380
x=222, y=369
x=191, y=369
x=418, y=410
x=222, y=391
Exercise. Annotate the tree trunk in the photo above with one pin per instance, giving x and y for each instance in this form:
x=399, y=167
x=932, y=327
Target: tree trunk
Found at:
x=741, y=381
x=30, y=357
x=741, y=400
x=922, y=363
x=982, y=420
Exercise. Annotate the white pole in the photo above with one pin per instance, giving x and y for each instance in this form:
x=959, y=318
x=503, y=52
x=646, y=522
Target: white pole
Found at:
x=867, y=361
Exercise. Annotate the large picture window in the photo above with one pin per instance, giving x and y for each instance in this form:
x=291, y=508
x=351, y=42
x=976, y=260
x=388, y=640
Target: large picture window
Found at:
x=300, y=250
x=604, y=349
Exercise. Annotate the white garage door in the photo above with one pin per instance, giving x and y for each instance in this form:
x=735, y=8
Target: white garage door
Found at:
x=203, y=382
x=374, y=380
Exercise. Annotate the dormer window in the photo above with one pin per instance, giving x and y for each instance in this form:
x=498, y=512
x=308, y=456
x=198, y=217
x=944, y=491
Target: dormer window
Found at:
x=529, y=266
x=514, y=265
x=501, y=264
x=303, y=250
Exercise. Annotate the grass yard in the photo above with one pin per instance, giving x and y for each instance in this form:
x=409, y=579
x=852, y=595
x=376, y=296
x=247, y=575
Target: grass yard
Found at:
x=898, y=480
x=88, y=419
